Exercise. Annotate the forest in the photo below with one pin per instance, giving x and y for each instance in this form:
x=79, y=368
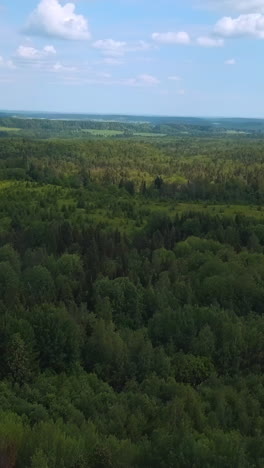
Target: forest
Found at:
x=131, y=298
x=39, y=125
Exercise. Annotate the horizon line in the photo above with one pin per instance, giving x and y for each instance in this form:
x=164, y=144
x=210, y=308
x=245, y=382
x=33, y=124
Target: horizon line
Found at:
x=24, y=111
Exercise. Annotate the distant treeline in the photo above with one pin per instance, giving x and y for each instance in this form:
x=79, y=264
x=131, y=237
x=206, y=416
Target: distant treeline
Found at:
x=65, y=128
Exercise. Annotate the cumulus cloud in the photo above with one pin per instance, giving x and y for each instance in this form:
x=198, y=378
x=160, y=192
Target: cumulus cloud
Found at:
x=207, y=41
x=230, y=62
x=52, y=19
x=39, y=59
x=244, y=25
x=26, y=52
x=185, y=39
x=180, y=37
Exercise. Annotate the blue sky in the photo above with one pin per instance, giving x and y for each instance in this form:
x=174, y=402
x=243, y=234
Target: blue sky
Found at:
x=165, y=57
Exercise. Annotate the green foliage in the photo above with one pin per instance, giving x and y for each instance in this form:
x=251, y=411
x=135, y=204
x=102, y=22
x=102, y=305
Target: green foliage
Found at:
x=131, y=300
x=18, y=359
x=38, y=285
x=9, y=283
x=56, y=338
x=39, y=460
x=11, y=438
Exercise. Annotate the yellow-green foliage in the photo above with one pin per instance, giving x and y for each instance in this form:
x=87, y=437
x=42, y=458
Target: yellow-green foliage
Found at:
x=9, y=129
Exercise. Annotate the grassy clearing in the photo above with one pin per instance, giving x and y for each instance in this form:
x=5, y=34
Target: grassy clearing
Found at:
x=104, y=133
x=9, y=129
x=145, y=134
x=6, y=184
x=177, y=179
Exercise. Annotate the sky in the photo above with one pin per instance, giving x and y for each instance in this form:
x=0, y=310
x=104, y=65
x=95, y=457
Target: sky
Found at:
x=141, y=57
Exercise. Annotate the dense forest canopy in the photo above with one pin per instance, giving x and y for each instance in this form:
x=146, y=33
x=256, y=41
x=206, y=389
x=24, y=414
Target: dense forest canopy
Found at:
x=131, y=298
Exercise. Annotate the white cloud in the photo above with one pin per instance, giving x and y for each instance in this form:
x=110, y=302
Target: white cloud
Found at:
x=112, y=48
x=52, y=19
x=244, y=25
x=207, y=41
x=43, y=59
x=148, y=80
x=50, y=49
x=58, y=67
x=175, y=78
x=181, y=37
x=230, y=62
x=181, y=92
x=26, y=52
x=185, y=39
